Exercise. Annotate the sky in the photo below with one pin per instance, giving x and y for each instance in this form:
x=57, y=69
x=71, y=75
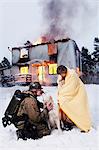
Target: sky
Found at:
x=22, y=20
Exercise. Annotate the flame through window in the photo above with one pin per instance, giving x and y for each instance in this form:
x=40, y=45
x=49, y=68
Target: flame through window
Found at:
x=41, y=70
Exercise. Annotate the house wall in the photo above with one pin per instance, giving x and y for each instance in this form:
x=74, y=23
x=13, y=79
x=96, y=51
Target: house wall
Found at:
x=15, y=70
x=15, y=56
x=66, y=54
x=39, y=52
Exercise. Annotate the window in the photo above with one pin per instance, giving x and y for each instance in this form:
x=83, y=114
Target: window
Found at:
x=52, y=68
x=52, y=49
x=24, y=70
x=24, y=53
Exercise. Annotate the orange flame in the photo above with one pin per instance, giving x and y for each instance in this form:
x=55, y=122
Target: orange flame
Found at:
x=42, y=39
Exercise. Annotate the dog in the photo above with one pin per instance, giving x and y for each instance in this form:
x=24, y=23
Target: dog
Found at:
x=54, y=115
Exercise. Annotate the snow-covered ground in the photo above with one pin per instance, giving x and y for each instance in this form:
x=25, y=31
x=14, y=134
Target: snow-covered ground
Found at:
x=67, y=140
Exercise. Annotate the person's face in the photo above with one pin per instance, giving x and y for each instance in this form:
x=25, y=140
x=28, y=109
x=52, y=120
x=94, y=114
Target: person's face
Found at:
x=39, y=92
x=63, y=74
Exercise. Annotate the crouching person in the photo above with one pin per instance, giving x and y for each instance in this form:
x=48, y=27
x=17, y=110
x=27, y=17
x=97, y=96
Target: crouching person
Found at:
x=32, y=121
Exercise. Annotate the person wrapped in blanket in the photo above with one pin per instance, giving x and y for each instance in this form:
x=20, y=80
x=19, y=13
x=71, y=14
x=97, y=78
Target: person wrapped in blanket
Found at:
x=72, y=99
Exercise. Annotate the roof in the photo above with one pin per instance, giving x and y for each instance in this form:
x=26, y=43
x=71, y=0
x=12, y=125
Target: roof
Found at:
x=30, y=46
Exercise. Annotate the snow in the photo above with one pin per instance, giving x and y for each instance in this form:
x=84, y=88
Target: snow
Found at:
x=67, y=140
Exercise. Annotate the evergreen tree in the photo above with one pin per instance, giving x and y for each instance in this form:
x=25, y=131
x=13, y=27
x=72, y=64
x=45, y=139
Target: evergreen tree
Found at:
x=95, y=54
x=87, y=62
x=87, y=65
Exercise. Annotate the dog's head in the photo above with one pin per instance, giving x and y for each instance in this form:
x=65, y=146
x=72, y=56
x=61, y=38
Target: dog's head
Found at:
x=48, y=100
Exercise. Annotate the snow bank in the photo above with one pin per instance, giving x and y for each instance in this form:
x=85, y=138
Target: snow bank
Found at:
x=68, y=140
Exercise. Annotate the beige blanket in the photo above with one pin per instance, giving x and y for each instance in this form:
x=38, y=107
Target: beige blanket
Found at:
x=73, y=101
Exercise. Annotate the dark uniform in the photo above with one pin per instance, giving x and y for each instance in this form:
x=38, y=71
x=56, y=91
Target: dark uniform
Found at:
x=37, y=119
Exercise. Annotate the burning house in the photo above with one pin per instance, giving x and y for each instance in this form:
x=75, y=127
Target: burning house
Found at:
x=39, y=62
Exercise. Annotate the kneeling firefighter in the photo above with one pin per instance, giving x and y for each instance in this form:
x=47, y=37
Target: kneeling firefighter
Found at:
x=30, y=120
x=36, y=126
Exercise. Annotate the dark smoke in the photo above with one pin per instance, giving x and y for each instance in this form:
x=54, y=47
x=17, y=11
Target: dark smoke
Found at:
x=69, y=18
x=52, y=12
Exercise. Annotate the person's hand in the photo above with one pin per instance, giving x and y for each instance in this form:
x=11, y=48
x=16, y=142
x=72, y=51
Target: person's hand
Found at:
x=49, y=106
